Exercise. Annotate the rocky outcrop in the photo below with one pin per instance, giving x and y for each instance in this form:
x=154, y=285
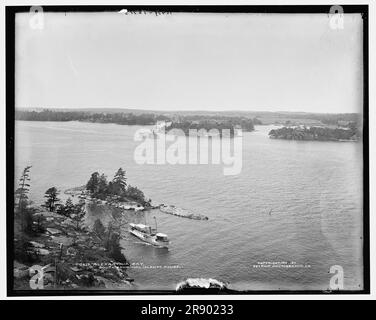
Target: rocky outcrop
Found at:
x=70, y=258
x=180, y=212
x=202, y=286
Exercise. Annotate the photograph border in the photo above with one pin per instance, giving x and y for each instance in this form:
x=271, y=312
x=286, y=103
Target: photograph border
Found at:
x=11, y=12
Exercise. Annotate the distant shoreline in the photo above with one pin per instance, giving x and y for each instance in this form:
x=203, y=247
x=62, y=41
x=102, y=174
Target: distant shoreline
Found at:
x=246, y=120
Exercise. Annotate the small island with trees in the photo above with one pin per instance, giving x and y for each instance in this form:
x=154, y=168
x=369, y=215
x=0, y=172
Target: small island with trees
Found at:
x=349, y=133
x=207, y=123
x=116, y=191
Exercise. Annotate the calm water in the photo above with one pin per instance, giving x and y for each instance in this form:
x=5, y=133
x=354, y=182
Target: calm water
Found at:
x=314, y=190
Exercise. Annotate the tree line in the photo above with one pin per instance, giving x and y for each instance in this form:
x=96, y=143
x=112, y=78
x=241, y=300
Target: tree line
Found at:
x=213, y=122
x=117, y=118
x=182, y=122
x=315, y=133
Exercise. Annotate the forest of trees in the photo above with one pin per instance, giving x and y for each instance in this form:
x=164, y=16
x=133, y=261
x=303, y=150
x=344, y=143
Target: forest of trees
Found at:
x=315, y=133
x=185, y=122
x=100, y=188
x=139, y=117
x=212, y=122
x=118, y=118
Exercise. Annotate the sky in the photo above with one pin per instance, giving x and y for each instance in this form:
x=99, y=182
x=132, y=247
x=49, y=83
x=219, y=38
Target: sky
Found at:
x=190, y=61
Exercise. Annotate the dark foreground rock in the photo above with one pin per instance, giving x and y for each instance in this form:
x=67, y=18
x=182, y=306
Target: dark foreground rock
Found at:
x=68, y=258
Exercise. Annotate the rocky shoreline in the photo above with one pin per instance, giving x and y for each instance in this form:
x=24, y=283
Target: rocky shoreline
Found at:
x=80, y=193
x=179, y=212
x=71, y=259
x=132, y=205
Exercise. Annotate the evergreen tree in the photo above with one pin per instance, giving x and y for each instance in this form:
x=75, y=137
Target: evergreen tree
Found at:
x=98, y=186
x=22, y=191
x=78, y=216
x=52, y=198
x=102, y=188
x=69, y=206
x=67, y=209
x=24, y=214
x=135, y=194
x=119, y=183
x=60, y=209
x=92, y=184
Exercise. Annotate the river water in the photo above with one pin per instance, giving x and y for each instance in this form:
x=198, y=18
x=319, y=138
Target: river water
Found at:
x=294, y=211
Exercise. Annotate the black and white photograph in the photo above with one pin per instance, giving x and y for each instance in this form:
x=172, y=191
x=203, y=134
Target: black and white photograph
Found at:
x=187, y=149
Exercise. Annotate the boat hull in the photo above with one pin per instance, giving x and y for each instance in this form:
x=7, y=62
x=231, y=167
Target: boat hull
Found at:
x=151, y=239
